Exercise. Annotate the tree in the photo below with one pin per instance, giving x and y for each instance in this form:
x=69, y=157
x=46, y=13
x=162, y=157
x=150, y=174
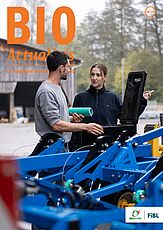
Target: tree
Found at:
x=142, y=60
x=156, y=24
x=152, y=31
x=107, y=37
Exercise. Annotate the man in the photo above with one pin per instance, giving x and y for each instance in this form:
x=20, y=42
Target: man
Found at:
x=51, y=111
x=105, y=104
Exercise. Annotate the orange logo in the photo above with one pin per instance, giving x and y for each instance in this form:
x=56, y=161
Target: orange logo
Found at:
x=150, y=12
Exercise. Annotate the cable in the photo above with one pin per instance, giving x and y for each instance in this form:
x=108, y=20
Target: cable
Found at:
x=86, y=146
x=82, y=147
x=70, y=157
x=21, y=148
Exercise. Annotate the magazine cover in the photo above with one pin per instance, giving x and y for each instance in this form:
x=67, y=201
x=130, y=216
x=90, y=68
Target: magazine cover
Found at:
x=81, y=114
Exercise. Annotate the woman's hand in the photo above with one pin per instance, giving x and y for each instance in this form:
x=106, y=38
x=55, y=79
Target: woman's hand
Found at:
x=147, y=94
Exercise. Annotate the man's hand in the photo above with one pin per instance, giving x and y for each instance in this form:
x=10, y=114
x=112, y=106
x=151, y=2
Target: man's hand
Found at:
x=95, y=129
x=147, y=94
x=77, y=117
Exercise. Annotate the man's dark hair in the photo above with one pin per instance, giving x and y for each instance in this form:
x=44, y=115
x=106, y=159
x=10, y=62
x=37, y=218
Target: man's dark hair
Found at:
x=55, y=59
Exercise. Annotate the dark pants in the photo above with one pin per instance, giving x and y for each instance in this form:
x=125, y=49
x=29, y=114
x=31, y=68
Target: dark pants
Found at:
x=45, y=141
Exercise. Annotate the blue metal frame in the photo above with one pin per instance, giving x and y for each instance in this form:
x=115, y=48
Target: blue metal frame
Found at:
x=124, y=167
x=54, y=218
x=121, y=167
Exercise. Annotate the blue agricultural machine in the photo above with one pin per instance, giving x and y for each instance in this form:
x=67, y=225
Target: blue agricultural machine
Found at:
x=124, y=175
x=90, y=189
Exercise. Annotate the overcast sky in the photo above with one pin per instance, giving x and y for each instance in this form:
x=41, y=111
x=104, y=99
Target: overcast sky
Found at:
x=79, y=7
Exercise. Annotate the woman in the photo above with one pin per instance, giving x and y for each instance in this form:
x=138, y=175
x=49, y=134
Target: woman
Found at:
x=106, y=105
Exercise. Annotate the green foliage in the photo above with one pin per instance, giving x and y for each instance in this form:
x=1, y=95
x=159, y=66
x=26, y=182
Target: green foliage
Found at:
x=122, y=31
x=142, y=60
x=105, y=38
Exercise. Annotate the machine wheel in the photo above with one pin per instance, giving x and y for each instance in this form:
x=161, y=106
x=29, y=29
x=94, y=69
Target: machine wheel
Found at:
x=124, y=199
x=67, y=200
x=120, y=199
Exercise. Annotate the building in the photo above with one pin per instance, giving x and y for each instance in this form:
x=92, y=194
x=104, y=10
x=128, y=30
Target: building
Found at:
x=22, y=69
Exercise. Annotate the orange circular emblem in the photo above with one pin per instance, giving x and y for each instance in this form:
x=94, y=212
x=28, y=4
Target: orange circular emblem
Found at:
x=150, y=12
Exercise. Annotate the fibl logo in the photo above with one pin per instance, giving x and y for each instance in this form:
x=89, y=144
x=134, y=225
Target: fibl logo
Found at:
x=153, y=215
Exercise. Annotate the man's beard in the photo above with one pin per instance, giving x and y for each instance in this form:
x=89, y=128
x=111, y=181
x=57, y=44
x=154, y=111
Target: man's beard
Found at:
x=64, y=77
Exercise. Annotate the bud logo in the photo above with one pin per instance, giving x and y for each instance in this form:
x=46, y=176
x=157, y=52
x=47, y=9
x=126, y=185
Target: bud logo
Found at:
x=135, y=213
x=153, y=215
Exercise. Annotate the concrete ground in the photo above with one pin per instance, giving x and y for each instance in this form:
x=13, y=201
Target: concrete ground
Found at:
x=18, y=140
